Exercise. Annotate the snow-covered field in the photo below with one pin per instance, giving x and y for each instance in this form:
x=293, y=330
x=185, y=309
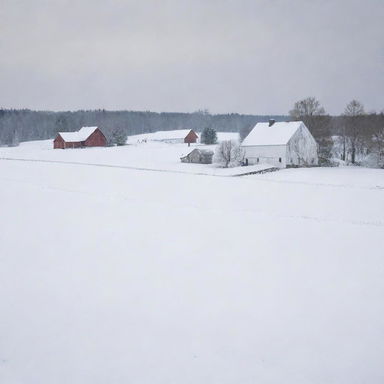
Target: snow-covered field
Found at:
x=116, y=275
x=137, y=154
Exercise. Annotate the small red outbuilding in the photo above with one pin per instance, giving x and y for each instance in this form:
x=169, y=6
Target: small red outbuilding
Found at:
x=86, y=137
x=191, y=137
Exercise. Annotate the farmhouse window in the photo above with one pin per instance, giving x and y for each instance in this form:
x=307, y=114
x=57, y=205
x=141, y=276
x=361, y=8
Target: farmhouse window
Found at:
x=279, y=159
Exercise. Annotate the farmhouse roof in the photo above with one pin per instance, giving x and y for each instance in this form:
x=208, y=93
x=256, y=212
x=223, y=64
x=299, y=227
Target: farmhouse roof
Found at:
x=80, y=135
x=170, y=135
x=277, y=134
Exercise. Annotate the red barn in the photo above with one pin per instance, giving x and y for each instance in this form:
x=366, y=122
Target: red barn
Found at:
x=86, y=137
x=191, y=137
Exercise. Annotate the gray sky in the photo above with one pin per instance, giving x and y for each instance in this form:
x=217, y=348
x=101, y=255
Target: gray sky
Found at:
x=241, y=56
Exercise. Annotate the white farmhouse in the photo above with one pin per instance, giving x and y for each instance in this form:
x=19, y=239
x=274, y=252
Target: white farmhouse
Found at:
x=280, y=144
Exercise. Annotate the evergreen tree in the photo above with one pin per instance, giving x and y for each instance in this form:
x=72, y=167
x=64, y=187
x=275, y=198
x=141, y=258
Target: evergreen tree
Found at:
x=119, y=137
x=209, y=136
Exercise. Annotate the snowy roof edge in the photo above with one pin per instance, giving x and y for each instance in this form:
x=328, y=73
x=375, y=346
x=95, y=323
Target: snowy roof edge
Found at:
x=279, y=133
x=80, y=135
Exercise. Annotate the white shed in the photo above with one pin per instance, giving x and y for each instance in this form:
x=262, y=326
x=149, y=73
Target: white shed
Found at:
x=281, y=144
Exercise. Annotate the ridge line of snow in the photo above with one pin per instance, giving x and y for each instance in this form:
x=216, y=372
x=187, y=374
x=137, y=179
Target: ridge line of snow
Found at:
x=115, y=166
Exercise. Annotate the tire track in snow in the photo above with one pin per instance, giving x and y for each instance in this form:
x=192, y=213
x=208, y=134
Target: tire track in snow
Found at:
x=138, y=168
x=111, y=166
x=245, y=176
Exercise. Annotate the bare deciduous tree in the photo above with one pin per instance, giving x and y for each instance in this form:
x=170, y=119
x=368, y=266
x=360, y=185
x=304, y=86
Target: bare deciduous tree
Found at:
x=354, y=108
x=309, y=106
x=378, y=138
x=228, y=153
x=352, y=131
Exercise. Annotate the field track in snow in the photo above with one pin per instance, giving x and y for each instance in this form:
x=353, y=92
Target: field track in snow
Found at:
x=317, y=184
x=110, y=166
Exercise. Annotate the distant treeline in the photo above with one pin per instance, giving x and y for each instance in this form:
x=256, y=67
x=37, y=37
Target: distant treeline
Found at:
x=25, y=125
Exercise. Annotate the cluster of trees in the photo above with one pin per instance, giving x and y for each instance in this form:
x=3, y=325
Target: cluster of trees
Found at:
x=356, y=136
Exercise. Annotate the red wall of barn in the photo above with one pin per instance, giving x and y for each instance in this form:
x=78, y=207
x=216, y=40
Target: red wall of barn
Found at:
x=72, y=144
x=97, y=139
x=191, y=137
x=58, y=143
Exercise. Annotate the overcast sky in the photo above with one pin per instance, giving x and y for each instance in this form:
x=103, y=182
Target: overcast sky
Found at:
x=245, y=56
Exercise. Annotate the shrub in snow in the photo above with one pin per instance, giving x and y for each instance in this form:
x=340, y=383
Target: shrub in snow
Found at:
x=228, y=154
x=208, y=136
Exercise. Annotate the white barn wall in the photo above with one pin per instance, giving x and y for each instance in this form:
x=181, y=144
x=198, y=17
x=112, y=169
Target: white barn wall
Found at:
x=302, y=148
x=266, y=154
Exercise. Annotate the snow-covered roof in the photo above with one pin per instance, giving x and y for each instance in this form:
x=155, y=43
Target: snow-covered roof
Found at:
x=202, y=151
x=277, y=134
x=205, y=151
x=170, y=135
x=80, y=135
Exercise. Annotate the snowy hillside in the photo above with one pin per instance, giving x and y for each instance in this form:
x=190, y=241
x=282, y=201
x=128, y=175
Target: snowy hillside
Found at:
x=116, y=275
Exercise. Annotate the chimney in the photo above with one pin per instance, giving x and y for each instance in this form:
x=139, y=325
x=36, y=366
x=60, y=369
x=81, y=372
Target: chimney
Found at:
x=271, y=122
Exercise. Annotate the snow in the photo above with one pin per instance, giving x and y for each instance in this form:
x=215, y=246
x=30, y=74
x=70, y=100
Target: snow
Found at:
x=170, y=135
x=342, y=177
x=150, y=156
x=278, y=134
x=182, y=278
x=176, y=135
x=80, y=135
x=221, y=136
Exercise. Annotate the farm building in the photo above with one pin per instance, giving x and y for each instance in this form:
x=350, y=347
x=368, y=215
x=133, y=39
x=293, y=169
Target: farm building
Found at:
x=282, y=144
x=86, y=137
x=202, y=156
x=178, y=136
